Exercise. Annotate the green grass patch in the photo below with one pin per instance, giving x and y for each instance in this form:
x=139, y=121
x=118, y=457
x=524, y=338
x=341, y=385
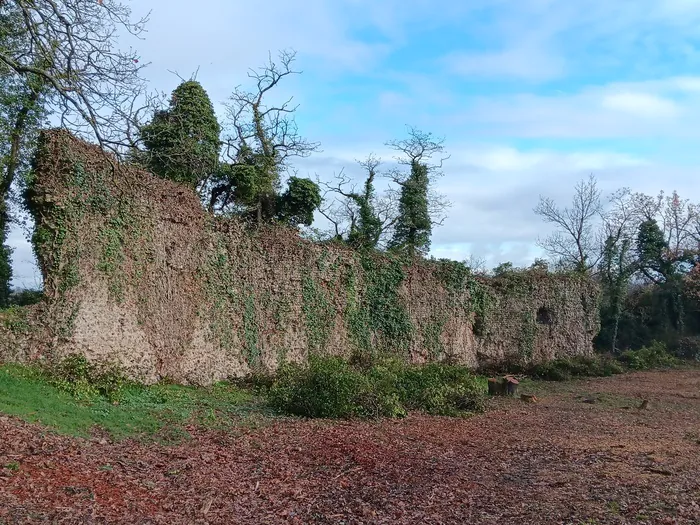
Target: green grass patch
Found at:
x=160, y=411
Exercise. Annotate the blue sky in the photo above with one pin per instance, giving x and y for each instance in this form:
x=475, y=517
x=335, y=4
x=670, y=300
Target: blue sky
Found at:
x=531, y=96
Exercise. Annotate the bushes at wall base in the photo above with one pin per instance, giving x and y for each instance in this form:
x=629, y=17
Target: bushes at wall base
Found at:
x=566, y=369
x=84, y=380
x=688, y=348
x=656, y=355
x=330, y=387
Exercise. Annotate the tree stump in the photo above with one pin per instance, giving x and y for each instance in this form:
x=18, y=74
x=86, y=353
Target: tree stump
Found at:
x=511, y=385
x=495, y=387
x=503, y=386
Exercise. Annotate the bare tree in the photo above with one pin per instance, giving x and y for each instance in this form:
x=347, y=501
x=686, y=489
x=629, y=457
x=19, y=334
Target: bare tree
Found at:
x=360, y=215
x=678, y=219
x=618, y=262
x=476, y=264
x=418, y=147
x=576, y=244
x=261, y=137
x=94, y=88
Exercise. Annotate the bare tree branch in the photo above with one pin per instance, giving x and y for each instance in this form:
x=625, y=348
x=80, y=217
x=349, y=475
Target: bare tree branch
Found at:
x=575, y=243
x=72, y=46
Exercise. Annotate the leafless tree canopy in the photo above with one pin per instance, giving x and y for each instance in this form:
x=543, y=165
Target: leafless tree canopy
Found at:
x=95, y=89
x=576, y=243
x=419, y=147
x=587, y=229
x=270, y=130
x=343, y=201
x=677, y=218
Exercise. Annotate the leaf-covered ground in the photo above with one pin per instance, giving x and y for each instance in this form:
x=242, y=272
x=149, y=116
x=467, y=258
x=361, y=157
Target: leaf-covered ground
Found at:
x=583, y=454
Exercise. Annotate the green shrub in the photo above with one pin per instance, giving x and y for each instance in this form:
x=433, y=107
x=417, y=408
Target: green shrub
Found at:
x=556, y=370
x=688, y=348
x=611, y=367
x=26, y=297
x=566, y=369
x=84, y=380
x=330, y=387
x=655, y=355
x=326, y=387
x=441, y=389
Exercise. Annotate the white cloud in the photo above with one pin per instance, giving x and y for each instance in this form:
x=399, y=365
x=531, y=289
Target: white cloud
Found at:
x=688, y=84
x=641, y=104
x=664, y=109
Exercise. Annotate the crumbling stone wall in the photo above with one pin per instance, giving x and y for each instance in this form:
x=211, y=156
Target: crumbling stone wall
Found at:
x=136, y=271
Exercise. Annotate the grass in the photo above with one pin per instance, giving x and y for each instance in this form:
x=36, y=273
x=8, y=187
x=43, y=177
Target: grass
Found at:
x=75, y=399
x=161, y=412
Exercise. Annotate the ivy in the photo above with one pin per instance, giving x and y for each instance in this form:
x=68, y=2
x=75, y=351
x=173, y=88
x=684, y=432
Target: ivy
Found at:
x=467, y=292
x=250, y=329
x=112, y=239
x=15, y=319
x=528, y=334
x=319, y=314
x=282, y=309
x=221, y=290
x=386, y=314
x=432, y=332
x=357, y=316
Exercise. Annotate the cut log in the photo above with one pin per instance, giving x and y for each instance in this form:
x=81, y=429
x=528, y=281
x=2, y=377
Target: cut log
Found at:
x=528, y=398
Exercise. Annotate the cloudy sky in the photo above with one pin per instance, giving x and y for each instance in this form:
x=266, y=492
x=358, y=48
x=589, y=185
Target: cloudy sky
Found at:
x=531, y=96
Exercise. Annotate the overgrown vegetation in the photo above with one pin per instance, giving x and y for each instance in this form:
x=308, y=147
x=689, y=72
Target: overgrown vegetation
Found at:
x=182, y=142
x=84, y=380
x=566, y=369
x=330, y=387
x=643, y=250
x=15, y=319
x=654, y=356
x=380, y=321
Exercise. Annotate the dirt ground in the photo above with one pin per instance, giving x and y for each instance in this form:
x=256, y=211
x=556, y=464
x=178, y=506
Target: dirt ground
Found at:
x=584, y=453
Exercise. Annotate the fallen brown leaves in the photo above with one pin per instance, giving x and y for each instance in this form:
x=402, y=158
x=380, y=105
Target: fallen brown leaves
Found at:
x=556, y=461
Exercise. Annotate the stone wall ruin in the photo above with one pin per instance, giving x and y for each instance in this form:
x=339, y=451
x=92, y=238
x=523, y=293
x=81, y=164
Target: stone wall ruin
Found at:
x=137, y=272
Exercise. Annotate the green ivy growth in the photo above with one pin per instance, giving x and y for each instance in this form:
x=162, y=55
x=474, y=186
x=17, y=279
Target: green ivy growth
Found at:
x=15, y=319
x=55, y=236
x=319, y=313
x=250, y=328
x=431, y=337
x=217, y=276
x=528, y=334
x=382, y=310
x=467, y=292
x=357, y=316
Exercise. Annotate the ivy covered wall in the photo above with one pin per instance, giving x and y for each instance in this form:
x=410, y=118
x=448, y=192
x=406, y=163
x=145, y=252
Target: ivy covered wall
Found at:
x=137, y=271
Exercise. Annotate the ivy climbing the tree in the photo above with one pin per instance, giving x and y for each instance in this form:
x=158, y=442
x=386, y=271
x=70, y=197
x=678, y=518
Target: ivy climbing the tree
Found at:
x=261, y=139
x=182, y=142
x=415, y=221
